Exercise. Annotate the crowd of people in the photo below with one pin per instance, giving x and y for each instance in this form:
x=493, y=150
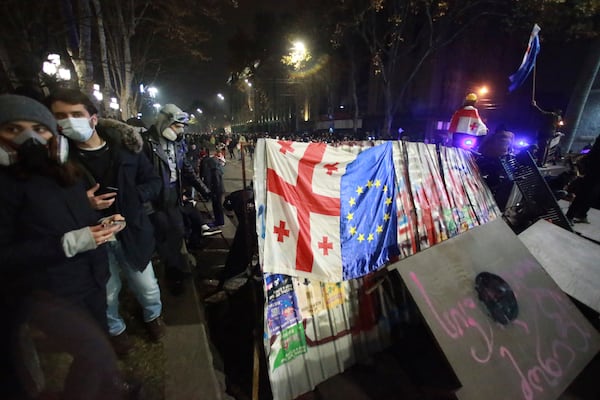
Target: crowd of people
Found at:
x=87, y=202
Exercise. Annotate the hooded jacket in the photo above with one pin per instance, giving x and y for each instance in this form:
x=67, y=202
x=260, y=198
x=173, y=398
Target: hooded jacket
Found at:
x=137, y=184
x=185, y=171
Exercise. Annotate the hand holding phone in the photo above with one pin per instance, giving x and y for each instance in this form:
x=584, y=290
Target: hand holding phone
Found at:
x=101, y=199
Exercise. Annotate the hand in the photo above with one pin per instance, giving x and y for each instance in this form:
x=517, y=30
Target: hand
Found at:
x=101, y=201
x=103, y=232
x=116, y=220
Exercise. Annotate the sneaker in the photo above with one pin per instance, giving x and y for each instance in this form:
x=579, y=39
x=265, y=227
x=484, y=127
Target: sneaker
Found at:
x=121, y=344
x=156, y=329
x=210, y=231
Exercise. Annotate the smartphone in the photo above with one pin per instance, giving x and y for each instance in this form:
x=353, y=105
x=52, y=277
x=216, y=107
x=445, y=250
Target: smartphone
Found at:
x=107, y=189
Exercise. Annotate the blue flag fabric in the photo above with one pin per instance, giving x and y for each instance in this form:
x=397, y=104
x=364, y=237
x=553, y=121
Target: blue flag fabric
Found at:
x=533, y=48
x=368, y=220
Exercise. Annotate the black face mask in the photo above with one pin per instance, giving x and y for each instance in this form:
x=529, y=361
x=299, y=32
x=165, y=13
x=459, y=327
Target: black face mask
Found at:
x=33, y=155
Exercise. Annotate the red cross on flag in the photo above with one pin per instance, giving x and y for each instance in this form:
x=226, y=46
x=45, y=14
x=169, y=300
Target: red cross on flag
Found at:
x=330, y=214
x=467, y=120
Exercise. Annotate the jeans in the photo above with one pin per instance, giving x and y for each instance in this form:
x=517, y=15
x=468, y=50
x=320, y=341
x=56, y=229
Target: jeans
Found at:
x=143, y=284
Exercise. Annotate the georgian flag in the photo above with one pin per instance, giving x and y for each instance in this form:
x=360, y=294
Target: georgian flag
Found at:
x=330, y=215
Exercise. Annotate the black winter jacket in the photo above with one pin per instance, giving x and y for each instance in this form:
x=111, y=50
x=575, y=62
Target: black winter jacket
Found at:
x=185, y=172
x=34, y=215
x=137, y=184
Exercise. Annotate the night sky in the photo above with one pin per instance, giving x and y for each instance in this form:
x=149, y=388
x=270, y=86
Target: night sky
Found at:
x=203, y=80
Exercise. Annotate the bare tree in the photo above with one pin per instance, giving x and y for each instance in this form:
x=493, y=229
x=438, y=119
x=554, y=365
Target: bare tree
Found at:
x=401, y=35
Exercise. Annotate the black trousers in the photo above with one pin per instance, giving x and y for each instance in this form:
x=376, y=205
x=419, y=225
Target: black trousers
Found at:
x=169, y=231
x=586, y=196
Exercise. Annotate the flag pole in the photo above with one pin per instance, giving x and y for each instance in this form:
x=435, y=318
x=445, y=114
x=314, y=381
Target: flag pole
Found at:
x=533, y=86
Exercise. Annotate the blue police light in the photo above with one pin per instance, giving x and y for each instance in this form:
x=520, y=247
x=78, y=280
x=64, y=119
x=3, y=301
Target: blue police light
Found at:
x=468, y=143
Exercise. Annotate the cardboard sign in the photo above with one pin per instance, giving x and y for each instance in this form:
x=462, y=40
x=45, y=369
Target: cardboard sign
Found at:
x=535, y=354
x=572, y=261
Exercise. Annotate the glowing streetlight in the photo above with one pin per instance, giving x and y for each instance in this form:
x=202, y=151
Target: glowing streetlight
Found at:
x=52, y=67
x=156, y=106
x=482, y=91
x=220, y=96
x=152, y=91
x=199, y=110
x=113, y=103
x=97, y=93
x=298, y=55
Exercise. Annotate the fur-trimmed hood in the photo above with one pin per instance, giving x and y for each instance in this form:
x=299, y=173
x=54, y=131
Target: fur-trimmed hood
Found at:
x=115, y=131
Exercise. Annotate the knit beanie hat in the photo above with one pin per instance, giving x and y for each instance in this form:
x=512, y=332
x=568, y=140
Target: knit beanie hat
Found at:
x=20, y=108
x=170, y=114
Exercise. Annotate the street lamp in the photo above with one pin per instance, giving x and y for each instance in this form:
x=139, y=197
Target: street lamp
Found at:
x=97, y=93
x=152, y=91
x=157, y=107
x=220, y=96
x=113, y=103
x=53, y=68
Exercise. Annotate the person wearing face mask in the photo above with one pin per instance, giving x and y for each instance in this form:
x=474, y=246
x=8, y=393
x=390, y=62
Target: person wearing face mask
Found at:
x=120, y=179
x=163, y=144
x=53, y=260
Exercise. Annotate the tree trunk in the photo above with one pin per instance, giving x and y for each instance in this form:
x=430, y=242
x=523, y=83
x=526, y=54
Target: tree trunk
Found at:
x=103, y=55
x=8, y=67
x=86, y=72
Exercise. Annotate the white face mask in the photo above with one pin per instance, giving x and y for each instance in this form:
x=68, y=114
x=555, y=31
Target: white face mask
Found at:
x=169, y=134
x=77, y=129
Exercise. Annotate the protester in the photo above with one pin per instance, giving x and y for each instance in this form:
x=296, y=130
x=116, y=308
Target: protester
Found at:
x=164, y=147
x=53, y=259
x=492, y=148
x=551, y=121
x=587, y=190
x=119, y=179
x=466, y=120
x=212, y=170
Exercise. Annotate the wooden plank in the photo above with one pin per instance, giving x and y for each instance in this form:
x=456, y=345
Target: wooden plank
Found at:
x=534, y=357
x=572, y=261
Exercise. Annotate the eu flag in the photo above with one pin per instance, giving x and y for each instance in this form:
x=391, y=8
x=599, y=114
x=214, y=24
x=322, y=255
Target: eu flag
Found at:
x=368, y=221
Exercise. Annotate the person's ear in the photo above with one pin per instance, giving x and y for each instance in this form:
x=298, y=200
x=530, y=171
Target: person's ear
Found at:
x=94, y=120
